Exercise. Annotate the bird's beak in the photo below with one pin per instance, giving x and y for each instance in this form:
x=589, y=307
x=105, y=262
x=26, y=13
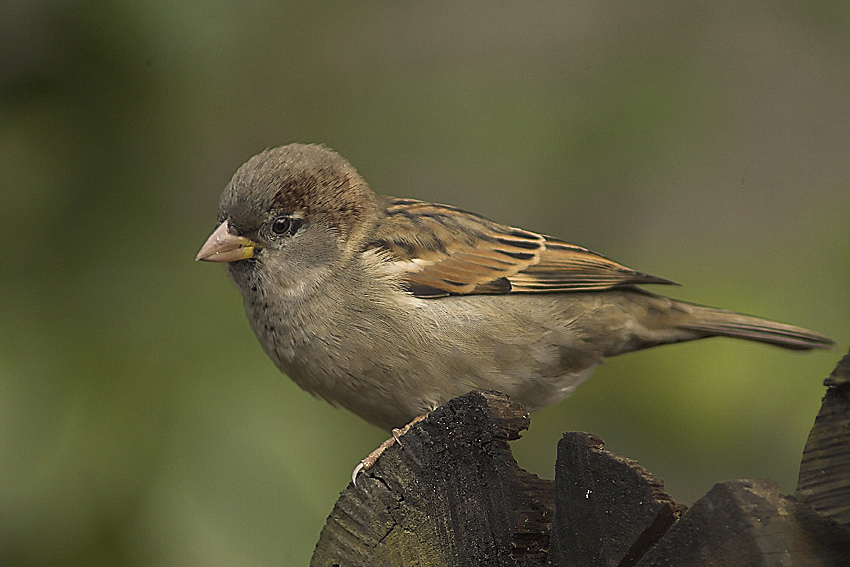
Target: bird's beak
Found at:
x=224, y=246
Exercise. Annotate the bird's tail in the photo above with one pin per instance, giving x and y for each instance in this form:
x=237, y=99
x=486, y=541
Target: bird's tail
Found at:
x=718, y=322
x=667, y=321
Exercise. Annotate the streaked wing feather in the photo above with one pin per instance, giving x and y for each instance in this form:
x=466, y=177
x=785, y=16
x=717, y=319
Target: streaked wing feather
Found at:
x=441, y=251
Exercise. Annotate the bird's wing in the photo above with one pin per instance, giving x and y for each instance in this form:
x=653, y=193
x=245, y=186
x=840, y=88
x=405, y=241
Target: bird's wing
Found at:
x=441, y=250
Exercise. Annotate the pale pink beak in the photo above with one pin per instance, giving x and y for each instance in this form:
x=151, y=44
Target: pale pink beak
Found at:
x=224, y=246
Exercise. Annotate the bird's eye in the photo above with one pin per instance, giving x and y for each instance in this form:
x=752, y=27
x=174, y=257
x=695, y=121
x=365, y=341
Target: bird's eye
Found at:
x=285, y=225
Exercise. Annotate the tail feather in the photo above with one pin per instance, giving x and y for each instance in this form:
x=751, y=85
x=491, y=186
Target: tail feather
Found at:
x=718, y=322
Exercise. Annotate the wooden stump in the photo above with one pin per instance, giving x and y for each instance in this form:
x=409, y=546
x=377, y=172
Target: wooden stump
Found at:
x=451, y=494
x=609, y=510
x=824, y=481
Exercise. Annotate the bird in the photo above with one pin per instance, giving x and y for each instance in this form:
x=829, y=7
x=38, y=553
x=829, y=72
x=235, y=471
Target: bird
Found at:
x=390, y=307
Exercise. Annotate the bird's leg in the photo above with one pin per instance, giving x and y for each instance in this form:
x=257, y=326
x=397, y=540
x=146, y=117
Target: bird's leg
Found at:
x=372, y=458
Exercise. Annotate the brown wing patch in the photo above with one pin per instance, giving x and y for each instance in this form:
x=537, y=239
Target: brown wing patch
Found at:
x=441, y=250
x=566, y=267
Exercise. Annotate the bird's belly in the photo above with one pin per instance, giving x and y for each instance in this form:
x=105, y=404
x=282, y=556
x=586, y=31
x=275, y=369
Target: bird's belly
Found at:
x=392, y=378
x=390, y=364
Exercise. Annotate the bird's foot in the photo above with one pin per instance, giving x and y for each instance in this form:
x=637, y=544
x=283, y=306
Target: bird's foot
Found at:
x=373, y=457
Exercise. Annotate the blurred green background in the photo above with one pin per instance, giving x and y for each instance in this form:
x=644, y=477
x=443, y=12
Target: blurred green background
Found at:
x=140, y=422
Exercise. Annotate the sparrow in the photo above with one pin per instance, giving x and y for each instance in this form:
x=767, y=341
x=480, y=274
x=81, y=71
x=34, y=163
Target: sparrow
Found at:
x=390, y=307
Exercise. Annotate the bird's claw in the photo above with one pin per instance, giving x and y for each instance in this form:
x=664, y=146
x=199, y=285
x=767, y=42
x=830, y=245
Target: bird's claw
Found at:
x=373, y=457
